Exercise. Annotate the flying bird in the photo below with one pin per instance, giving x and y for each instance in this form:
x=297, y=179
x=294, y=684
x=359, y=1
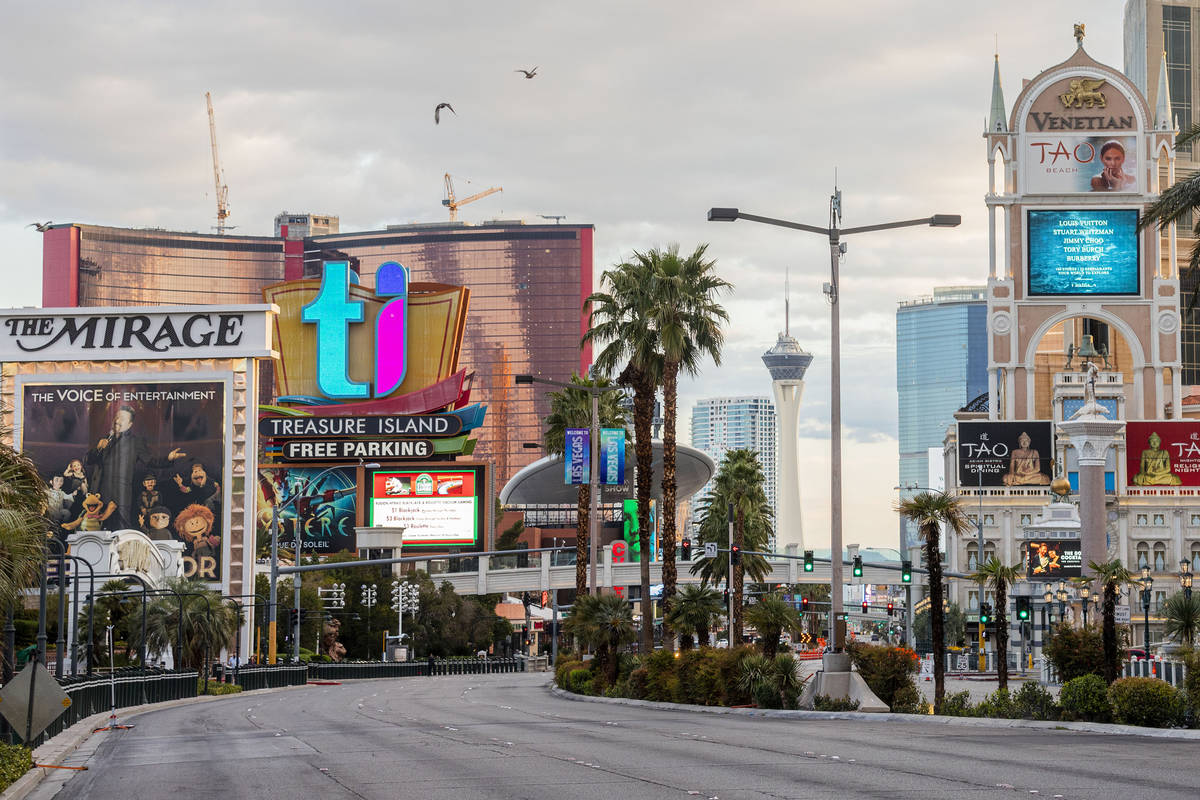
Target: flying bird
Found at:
x=41, y=226
x=437, y=112
x=528, y=73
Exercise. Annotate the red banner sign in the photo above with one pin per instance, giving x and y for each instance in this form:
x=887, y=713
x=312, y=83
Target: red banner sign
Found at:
x=1163, y=454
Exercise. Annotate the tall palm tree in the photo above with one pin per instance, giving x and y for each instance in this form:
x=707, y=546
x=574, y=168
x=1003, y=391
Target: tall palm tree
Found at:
x=693, y=613
x=999, y=577
x=739, y=482
x=1181, y=616
x=573, y=409
x=621, y=318
x=688, y=321
x=208, y=623
x=603, y=623
x=23, y=529
x=933, y=511
x=1179, y=203
x=771, y=616
x=1112, y=576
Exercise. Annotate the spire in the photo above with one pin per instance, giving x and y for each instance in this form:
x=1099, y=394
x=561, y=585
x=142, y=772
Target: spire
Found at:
x=997, y=123
x=1163, y=119
x=787, y=302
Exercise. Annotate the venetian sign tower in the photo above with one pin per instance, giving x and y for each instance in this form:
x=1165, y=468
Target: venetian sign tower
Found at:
x=787, y=363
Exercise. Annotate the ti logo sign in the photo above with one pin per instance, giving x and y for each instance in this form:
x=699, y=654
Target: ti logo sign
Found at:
x=333, y=311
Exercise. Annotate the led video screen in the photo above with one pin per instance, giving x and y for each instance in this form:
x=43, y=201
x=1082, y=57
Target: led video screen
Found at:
x=1083, y=252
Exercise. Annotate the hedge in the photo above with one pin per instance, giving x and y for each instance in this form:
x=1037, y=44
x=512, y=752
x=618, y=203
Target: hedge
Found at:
x=15, y=761
x=1146, y=701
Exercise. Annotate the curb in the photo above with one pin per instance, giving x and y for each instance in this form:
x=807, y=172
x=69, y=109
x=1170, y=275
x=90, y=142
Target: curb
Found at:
x=920, y=719
x=67, y=742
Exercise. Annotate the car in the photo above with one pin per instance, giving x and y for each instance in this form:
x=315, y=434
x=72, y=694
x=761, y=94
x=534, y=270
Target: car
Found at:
x=722, y=643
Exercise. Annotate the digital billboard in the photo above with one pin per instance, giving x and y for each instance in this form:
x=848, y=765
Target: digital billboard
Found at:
x=1083, y=252
x=1056, y=164
x=1163, y=453
x=318, y=504
x=440, y=505
x=1014, y=454
x=1052, y=559
x=146, y=456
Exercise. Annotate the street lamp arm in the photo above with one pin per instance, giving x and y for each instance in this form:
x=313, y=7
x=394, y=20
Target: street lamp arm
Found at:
x=594, y=390
x=783, y=223
x=938, y=220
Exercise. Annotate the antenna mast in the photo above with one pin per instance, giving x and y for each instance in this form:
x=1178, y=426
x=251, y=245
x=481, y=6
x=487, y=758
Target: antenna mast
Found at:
x=222, y=189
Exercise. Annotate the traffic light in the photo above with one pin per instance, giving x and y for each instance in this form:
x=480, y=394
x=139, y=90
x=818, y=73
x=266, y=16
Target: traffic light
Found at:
x=865, y=606
x=726, y=598
x=735, y=555
x=685, y=550
x=985, y=613
x=804, y=604
x=808, y=561
x=906, y=572
x=1023, y=608
x=890, y=608
x=858, y=566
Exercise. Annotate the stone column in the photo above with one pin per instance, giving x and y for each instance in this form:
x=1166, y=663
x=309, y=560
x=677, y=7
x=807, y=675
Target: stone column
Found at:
x=1091, y=435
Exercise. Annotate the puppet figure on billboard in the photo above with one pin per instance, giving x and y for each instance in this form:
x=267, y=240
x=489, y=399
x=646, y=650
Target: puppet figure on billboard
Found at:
x=158, y=524
x=1025, y=466
x=58, y=501
x=118, y=458
x=194, y=526
x=1113, y=177
x=1156, y=466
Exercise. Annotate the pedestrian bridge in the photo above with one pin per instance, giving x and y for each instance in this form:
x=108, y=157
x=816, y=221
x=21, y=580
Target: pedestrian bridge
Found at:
x=542, y=570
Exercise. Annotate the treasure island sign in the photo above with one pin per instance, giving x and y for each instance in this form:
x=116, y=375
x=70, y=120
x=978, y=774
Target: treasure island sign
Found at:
x=362, y=376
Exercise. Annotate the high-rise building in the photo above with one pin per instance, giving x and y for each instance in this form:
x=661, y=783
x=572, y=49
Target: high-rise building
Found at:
x=941, y=365
x=720, y=424
x=787, y=362
x=525, y=314
x=290, y=225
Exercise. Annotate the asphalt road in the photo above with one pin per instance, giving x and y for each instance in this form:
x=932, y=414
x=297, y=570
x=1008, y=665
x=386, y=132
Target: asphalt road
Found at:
x=505, y=736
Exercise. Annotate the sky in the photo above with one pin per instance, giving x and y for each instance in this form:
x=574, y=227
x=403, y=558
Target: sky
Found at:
x=641, y=117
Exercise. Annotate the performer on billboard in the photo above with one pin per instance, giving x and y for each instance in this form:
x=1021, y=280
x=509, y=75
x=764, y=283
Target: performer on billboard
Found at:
x=1156, y=466
x=1025, y=465
x=1113, y=178
x=119, y=459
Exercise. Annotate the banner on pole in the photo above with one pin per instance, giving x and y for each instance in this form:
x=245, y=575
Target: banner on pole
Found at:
x=612, y=455
x=578, y=455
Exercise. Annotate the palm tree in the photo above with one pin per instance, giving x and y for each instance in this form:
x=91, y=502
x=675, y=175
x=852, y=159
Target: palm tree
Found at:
x=208, y=623
x=771, y=616
x=1181, y=615
x=999, y=577
x=621, y=317
x=739, y=482
x=693, y=613
x=573, y=409
x=602, y=623
x=1112, y=576
x=22, y=531
x=688, y=322
x=1178, y=203
x=932, y=511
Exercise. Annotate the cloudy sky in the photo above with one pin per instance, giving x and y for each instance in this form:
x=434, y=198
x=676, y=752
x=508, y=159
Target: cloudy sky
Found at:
x=642, y=116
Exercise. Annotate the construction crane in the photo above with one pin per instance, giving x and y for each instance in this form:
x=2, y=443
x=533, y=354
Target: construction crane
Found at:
x=222, y=189
x=451, y=202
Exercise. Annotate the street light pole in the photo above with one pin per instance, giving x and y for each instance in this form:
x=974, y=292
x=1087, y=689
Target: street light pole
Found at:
x=836, y=249
x=1185, y=578
x=1147, y=585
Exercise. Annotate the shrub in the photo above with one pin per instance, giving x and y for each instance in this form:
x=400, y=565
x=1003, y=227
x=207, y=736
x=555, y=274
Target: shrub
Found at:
x=1032, y=701
x=638, y=683
x=15, y=761
x=997, y=705
x=1086, y=698
x=824, y=702
x=1146, y=701
x=886, y=670
x=1191, y=682
x=580, y=681
x=216, y=687
x=1076, y=651
x=957, y=705
x=563, y=670
x=908, y=700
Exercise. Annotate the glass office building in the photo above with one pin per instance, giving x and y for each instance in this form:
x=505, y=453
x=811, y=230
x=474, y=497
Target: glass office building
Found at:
x=941, y=365
x=734, y=423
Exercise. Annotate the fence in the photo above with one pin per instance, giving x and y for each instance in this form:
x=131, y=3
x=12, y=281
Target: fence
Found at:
x=1173, y=672
x=266, y=677
x=359, y=670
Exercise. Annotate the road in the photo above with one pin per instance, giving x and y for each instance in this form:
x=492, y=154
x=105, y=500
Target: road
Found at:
x=505, y=736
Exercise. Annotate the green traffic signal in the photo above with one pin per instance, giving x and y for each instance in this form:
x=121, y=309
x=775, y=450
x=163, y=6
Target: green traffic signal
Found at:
x=906, y=572
x=858, y=566
x=808, y=560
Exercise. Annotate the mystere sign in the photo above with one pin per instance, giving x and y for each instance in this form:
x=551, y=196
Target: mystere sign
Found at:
x=135, y=333
x=430, y=425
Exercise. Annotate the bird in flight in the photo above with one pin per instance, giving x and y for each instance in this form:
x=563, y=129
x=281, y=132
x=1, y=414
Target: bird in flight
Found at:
x=41, y=226
x=528, y=73
x=437, y=112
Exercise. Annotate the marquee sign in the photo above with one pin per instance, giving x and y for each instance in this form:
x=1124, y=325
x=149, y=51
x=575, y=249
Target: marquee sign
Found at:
x=343, y=449
x=430, y=425
x=135, y=333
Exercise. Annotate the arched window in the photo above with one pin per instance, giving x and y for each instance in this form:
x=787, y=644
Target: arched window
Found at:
x=1160, y=556
x=1143, y=555
x=972, y=557
x=1196, y=558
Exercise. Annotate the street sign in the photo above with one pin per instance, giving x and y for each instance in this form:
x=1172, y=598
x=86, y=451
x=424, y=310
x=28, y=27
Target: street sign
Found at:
x=36, y=684
x=710, y=549
x=1122, y=615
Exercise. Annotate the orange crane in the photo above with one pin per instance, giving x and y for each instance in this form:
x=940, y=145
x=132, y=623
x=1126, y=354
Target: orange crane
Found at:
x=453, y=202
x=222, y=189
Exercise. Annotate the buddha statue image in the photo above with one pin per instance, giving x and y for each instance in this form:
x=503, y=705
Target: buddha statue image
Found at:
x=1155, y=469
x=1025, y=465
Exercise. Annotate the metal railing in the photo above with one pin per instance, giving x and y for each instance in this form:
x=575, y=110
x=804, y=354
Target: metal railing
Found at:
x=270, y=677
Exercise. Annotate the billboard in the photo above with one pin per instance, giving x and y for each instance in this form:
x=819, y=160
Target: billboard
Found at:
x=1057, y=164
x=1083, y=252
x=1052, y=559
x=577, y=466
x=147, y=456
x=320, y=508
x=440, y=505
x=1015, y=454
x=1163, y=453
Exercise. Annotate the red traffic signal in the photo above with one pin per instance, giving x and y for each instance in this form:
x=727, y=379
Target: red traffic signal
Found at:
x=890, y=608
x=735, y=554
x=804, y=604
x=865, y=606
